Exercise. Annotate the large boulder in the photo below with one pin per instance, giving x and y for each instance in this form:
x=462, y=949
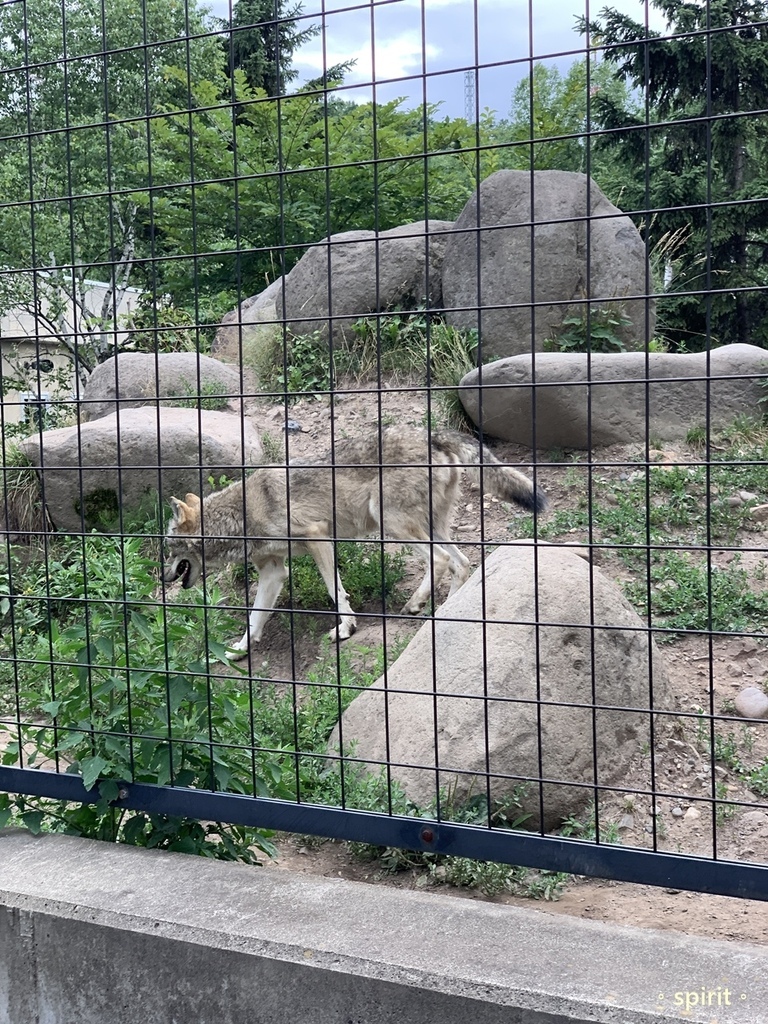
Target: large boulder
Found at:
x=569, y=244
x=470, y=708
x=145, y=378
x=341, y=279
x=257, y=322
x=91, y=471
x=618, y=398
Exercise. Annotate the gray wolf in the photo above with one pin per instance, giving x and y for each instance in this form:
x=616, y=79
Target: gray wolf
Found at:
x=399, y=484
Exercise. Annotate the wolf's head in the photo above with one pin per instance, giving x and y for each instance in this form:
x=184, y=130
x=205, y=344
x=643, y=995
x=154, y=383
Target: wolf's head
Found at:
x=184, y=542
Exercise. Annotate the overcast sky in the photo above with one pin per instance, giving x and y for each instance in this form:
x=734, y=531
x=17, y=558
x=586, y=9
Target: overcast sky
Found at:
x=395, y=43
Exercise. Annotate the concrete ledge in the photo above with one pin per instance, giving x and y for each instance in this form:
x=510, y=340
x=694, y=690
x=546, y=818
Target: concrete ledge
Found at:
x=97, y=934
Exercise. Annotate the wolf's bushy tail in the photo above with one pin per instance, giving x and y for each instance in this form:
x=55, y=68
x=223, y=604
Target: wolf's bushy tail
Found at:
x=503, y=481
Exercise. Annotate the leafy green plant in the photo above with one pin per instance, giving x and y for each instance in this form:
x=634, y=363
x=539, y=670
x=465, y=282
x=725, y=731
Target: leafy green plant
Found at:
x=368, y=574
x=158, y=326
x=307, y=368
x=210, y=395
x=22, y=512
x=596, y=330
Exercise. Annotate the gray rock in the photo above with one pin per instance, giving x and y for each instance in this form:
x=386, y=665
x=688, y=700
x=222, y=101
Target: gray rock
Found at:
x=145, y=378
x=346, y=276
x=400, y=724
x=582, y=403
x=256, y=324
x=550, y=268
x=752, y=702
x=91, y=470
x=355, y=273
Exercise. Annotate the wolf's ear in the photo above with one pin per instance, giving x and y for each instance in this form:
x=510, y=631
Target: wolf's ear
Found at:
x=193, y=501
x=178, y=509
x=185, y=513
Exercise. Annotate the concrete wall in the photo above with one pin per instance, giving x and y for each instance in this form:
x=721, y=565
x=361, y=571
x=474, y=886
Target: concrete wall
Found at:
x=96, y=934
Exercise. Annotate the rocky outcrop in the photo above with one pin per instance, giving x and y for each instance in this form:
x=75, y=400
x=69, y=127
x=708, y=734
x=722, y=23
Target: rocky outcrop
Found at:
x=616, y=398
x=92, y=471
x=138, y=378
x=470, y=708
x=551, y=238
x=338, y=281
x=257, y=322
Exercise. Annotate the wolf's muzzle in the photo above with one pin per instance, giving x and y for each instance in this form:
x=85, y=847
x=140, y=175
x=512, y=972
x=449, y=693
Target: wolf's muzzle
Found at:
x=181, y=567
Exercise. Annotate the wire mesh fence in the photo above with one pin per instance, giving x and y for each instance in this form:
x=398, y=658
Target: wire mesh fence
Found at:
x=382, y=433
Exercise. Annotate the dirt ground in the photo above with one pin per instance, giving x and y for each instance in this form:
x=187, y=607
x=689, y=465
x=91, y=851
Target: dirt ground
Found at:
x=699, y=669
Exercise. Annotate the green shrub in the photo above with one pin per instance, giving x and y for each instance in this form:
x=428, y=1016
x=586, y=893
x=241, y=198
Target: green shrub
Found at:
x=598, y=330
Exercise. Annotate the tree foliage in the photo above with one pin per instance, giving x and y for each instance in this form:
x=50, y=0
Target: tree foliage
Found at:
x=554, y=116
x=81, y=78
x=702, y=134
x=263, y=39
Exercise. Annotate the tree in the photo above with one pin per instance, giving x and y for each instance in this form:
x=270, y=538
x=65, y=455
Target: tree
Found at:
x=702, y=133
x=556, y=115
x=82, y=78
x=265, y=34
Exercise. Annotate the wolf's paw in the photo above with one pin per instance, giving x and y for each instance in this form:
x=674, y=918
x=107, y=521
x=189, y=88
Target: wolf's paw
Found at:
x=413, y=607
x=343, y=631
x=238, y=650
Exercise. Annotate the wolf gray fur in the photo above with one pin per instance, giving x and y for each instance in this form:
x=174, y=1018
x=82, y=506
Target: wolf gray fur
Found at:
x=401, y=484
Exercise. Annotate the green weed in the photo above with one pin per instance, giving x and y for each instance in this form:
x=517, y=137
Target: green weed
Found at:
x=590, y=330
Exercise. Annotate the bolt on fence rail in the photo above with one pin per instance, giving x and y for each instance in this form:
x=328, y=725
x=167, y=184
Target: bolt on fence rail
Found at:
x=382, y=451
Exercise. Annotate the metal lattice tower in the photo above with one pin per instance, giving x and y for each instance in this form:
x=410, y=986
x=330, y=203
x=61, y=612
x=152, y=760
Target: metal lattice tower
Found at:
x=469, y=97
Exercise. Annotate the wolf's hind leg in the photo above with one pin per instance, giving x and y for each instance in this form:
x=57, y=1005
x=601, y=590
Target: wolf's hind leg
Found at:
x=323, y=554
x=438, y=560
x=272, y=575
x=458, y=566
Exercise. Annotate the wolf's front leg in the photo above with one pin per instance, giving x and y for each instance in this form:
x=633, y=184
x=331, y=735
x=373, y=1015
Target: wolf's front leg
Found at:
x=272, y=575
x=323, y=554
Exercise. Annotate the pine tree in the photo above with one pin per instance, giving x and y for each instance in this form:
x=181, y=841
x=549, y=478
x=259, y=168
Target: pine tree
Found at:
x=703, y=137
x=265, y=34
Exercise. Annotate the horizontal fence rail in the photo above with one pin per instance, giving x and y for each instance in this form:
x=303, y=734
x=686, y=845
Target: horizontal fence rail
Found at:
x=383, y=452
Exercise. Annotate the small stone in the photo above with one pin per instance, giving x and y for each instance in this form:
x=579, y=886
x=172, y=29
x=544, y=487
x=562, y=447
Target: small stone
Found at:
x=752, y=702
x=754, y=818
x=747, y=496
x=677, y=812
x=735, y=670
x=293, y=427
x=627, y=822
x=692, y=814
x=759, y=513
x=734, y=500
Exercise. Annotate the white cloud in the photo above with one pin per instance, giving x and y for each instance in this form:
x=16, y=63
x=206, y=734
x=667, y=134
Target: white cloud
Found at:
x=396, y=57
x=453, y=32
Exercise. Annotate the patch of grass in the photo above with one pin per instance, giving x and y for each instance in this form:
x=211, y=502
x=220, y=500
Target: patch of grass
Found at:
x=274, y=452
x=489, y=877
x=22, y=513
x=404, y=346
x=686, y=595
x=675, y=509
x=210, y=395
x=586, y=828
x=368, y=575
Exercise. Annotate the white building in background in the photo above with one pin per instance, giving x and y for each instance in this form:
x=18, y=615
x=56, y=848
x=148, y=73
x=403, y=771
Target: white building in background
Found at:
x=30, y=352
